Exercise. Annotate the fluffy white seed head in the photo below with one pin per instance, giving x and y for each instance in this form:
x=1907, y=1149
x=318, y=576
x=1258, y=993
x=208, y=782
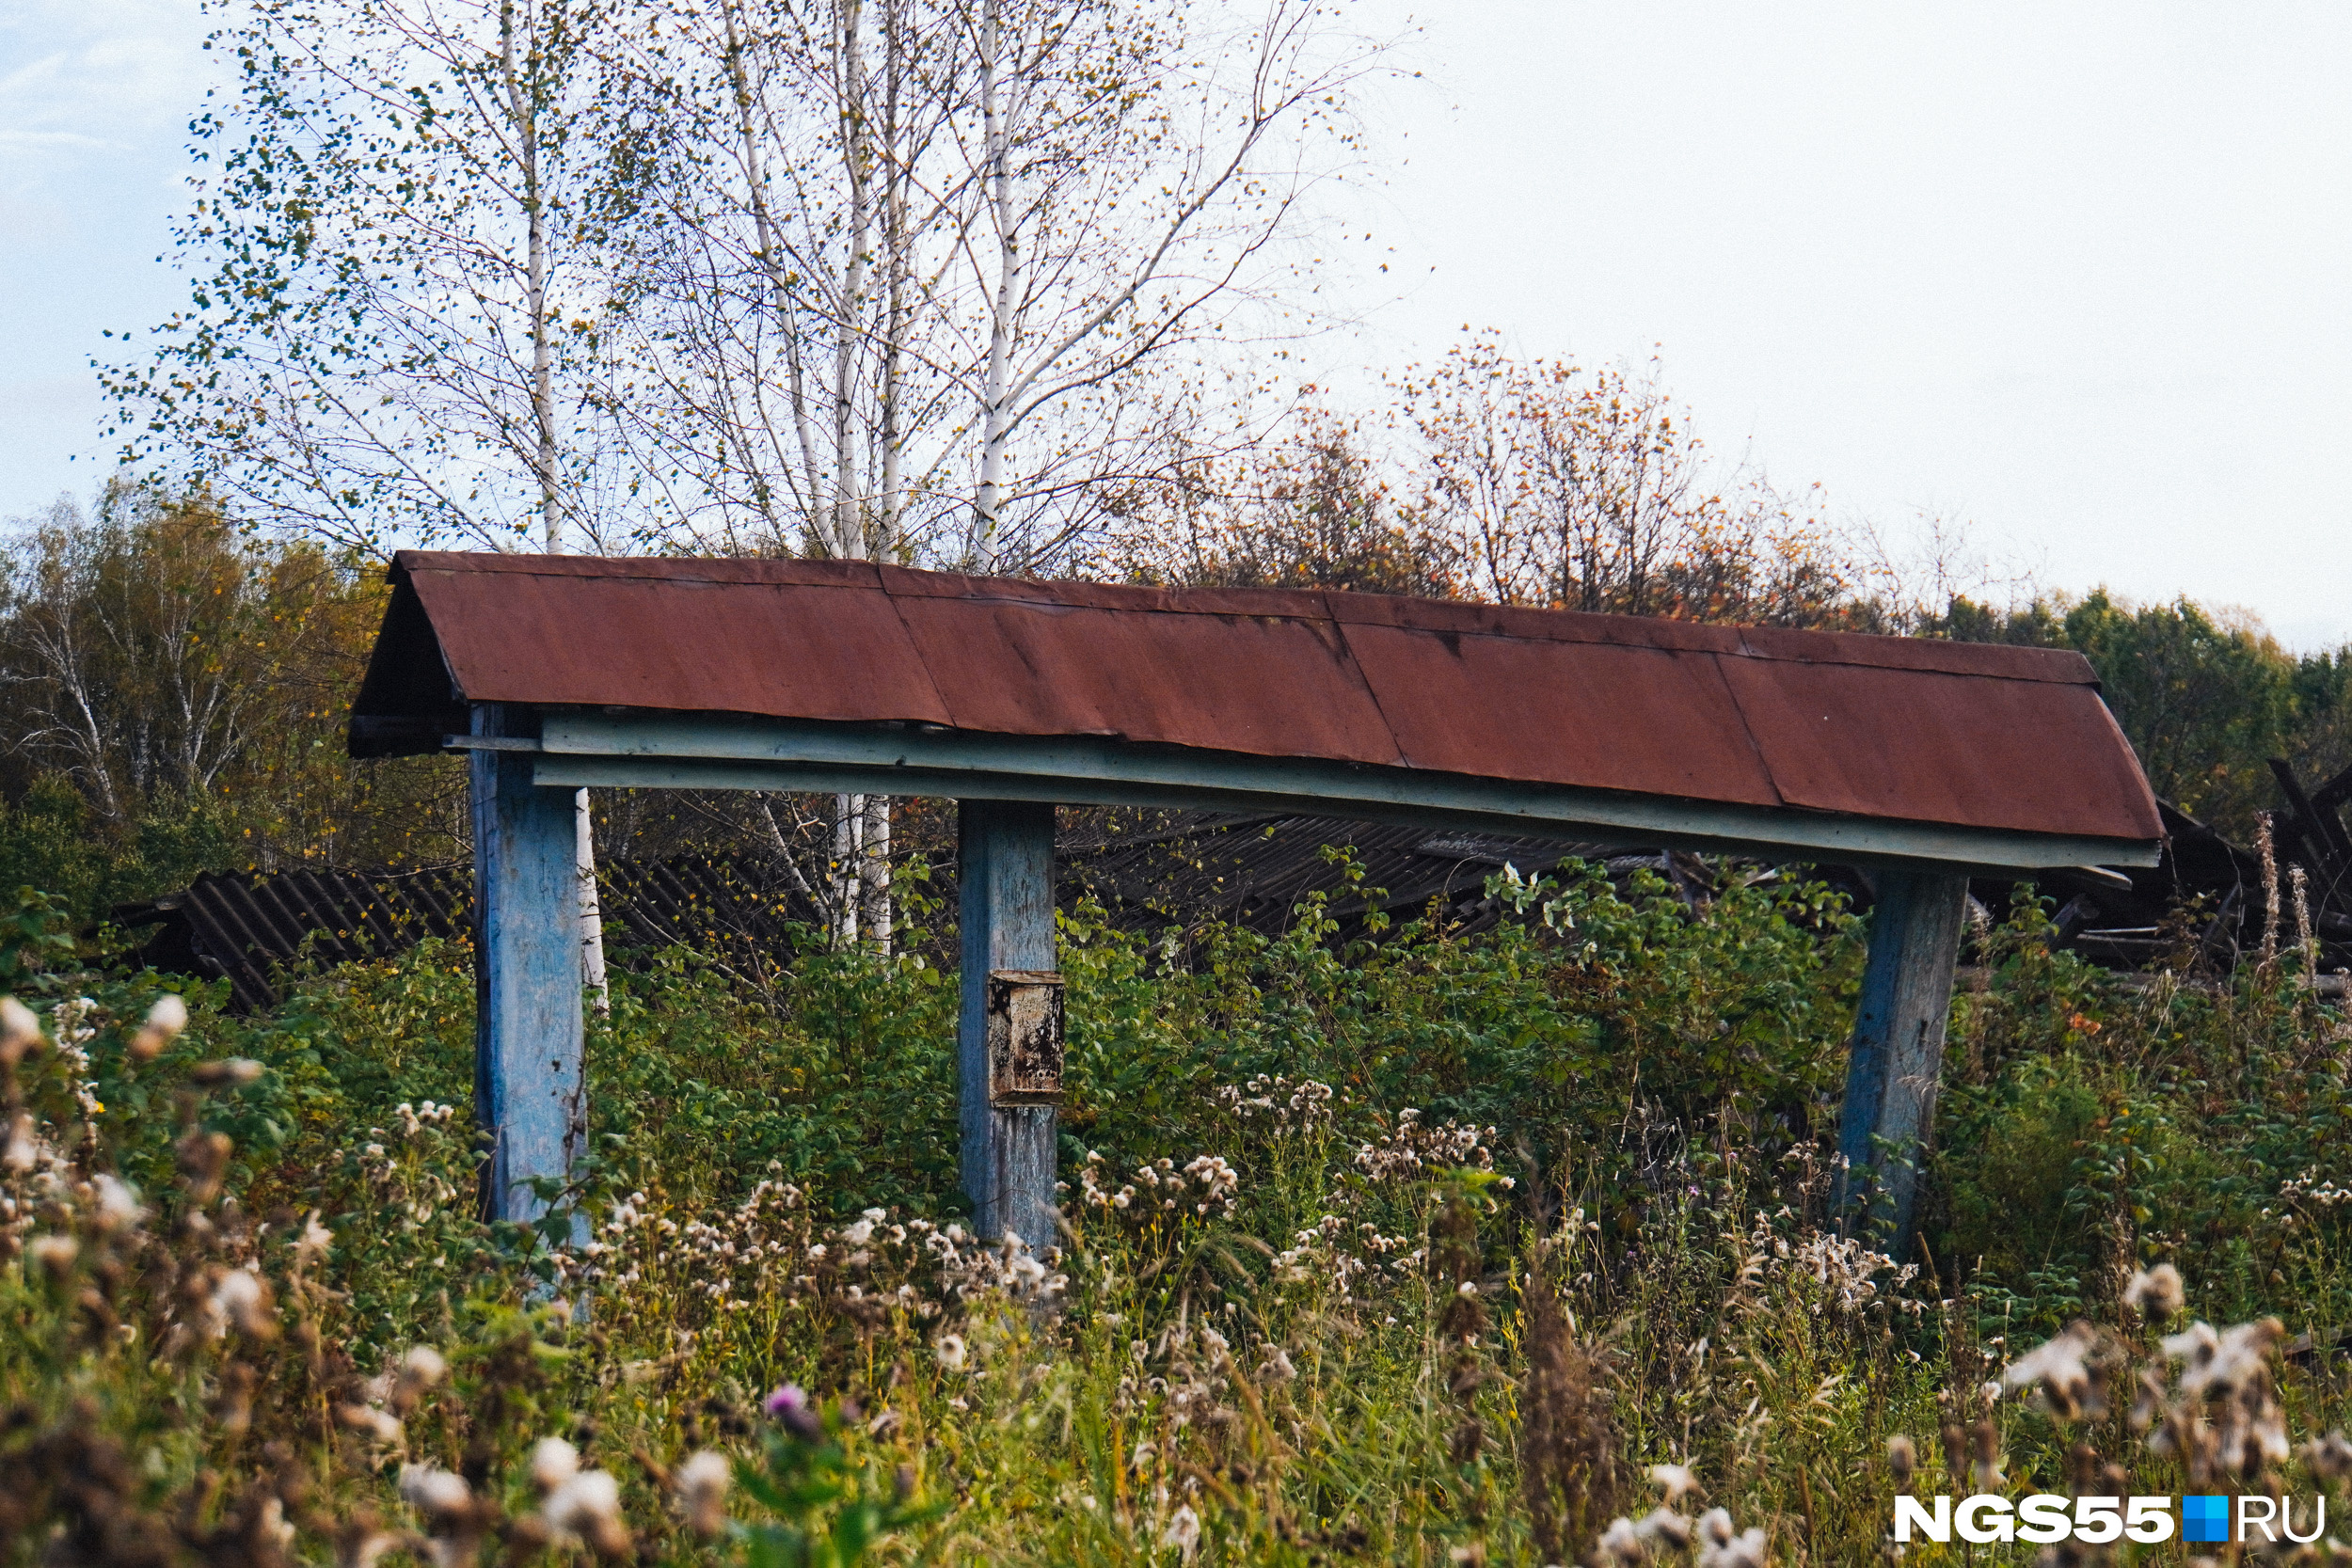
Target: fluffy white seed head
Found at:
x=702, y=1492
x=554, y=1462
x=20, y=1027
x=437, y=1495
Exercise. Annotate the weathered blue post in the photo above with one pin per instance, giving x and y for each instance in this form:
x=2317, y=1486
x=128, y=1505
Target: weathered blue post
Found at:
x=1897, y=1051
x=1009, y=1034
x=530, y=1095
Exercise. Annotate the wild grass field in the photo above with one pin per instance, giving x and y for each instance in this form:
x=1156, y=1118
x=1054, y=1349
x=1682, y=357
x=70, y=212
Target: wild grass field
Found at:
x=1506, y=1248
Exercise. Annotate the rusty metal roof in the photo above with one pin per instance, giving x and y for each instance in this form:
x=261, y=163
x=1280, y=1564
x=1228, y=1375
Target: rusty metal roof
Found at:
x=1964, y=735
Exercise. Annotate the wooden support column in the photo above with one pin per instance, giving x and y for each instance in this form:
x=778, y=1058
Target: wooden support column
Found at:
x=1897, y=1052
x=530, y=1092
x=1009, y=1034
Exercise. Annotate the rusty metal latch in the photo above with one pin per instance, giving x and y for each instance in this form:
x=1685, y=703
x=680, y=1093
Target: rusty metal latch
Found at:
x=1024, y=1037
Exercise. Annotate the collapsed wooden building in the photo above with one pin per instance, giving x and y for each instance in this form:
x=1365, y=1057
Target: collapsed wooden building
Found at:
x=2200, y=911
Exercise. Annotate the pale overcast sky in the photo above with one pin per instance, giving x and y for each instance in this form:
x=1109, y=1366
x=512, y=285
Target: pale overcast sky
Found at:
x=2074, y=273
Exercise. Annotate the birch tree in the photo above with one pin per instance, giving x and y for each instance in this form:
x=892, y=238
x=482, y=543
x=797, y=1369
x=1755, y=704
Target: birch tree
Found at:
x=394, y=331
x=768, y=210
x=395, y=327
x=1142, y=175
x=905, y=273
x=856, y=279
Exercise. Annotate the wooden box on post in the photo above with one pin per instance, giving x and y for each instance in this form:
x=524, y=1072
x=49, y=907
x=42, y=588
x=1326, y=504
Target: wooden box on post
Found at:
x=530, y=1089
x=1004, y=866
x=1024, y=1029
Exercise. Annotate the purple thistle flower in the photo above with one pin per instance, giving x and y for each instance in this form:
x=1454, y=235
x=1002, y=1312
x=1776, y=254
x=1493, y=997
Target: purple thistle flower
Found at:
x=789, y=1405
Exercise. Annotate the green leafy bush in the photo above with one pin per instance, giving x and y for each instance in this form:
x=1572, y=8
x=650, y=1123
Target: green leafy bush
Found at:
x=1425, y=1248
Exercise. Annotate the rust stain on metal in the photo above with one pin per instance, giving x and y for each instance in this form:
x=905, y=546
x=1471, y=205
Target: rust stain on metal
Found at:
x=1979, y=751
x=1264, y=685
x=1025, y=1037
x=1602, y=714
x=812, y=650
x=1970, y=735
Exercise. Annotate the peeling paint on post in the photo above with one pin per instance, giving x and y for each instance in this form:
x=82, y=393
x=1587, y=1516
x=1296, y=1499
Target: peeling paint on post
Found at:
x=1005, y=866
x=1897, y=1052
x=528, y=1088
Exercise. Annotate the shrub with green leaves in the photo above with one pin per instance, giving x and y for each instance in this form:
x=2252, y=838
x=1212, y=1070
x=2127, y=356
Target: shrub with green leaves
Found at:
x=1423, y=1247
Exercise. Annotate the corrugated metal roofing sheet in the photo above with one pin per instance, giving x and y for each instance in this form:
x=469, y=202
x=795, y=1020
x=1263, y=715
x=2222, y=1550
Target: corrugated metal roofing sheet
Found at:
x=1961, y=734
x=245, y=926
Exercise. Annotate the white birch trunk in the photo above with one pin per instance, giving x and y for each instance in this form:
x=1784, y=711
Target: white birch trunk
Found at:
x=521, y=105
x=874, y=873
x=591, y=913
x=848, y=830
x=848, y=524
x=771, y=240
x=1005, y=299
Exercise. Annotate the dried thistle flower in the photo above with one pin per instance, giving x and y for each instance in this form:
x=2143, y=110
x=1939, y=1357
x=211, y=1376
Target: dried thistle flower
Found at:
x=950, y=1351
x=439, y=1497
x=19, y=1030
x=702, y=1493
x=1984, y=1448
x=2328, y=1458
x=587, y=1506
x=1621, y=1543
x=419, y=1371
x=1665, y=1526
x=117, y=1204
x=240, y=1300
x=1902, y=1457
x=2228, y=1361
x=1674, y=1481
x=554, y=1462
x=1744, y=1550
x=23, y=1150
x=2062, y=1374
x=165, y=1021
x=55, y=1254
x=1183, y=1532
x=380, y=1425
x=2156, y=1294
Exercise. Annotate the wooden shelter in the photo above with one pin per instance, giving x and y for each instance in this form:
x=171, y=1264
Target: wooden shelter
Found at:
x=1927, y=760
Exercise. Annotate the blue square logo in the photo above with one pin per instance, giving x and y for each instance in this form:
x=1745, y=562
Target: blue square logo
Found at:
x=2204, y=1518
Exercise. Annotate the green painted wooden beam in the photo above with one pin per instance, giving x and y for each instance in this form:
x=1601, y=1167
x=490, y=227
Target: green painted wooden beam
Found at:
x=687, y=752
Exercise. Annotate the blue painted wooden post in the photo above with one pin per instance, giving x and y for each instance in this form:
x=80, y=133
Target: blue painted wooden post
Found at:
x=1004, y=866
x=1897, y=1051
x=530, y=1093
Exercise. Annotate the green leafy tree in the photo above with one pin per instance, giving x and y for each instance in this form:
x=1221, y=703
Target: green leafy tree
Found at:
x=177, y=692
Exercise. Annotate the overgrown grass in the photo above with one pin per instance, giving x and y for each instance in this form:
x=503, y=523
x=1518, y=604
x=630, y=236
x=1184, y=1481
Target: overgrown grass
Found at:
x=1424, y=1250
